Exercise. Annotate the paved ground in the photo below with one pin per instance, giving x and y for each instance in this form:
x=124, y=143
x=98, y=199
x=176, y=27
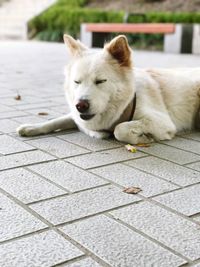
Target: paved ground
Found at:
x=14, y=15
x=61, y=198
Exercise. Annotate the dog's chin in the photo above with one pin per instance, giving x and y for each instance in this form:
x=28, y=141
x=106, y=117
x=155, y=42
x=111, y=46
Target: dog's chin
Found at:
x=87, y=117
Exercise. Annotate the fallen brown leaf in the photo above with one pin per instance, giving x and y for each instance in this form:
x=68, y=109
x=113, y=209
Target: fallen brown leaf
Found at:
x=18, y=97
x=43, y=113
x=143, y=145
x=132, y=190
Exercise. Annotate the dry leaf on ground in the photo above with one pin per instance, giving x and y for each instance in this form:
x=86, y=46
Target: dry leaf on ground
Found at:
x=132, y=190
x=43, y=113
x=18, y=97
x=143, y=145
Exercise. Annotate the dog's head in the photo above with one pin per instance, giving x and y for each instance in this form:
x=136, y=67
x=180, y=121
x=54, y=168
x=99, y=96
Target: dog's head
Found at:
x=99, y=83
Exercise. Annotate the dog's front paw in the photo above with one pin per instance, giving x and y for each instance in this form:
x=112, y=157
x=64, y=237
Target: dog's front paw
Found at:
x=132, y=132
x=26, y=130
x=99, y=135
x=167, y=135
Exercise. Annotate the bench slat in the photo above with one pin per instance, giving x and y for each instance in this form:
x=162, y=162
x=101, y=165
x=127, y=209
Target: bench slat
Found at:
x=131, y=28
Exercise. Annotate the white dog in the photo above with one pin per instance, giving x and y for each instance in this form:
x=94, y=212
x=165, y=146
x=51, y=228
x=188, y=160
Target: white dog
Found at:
x=106, y=94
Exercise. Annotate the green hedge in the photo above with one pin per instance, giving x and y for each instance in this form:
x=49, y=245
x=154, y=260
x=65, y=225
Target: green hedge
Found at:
x=72, y=3
x=173, y=17
x=51, y=24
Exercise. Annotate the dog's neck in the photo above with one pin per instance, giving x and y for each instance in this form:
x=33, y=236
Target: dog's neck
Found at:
x=127, y=114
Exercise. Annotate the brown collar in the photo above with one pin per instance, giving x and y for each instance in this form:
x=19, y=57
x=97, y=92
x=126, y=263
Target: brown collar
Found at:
x=127, y=115
x=197, y=120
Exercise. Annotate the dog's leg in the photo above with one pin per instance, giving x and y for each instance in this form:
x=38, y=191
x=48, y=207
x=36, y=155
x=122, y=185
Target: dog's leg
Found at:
x=61, y=123
x=97, y=134
x=145, y=130
x=131, y=132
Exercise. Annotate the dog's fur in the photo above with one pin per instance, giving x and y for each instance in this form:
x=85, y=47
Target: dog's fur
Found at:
x=168, y=100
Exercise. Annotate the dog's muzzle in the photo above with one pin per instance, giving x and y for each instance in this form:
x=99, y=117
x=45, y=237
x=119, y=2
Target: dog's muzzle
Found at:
x=83, y=106
x=86, y=117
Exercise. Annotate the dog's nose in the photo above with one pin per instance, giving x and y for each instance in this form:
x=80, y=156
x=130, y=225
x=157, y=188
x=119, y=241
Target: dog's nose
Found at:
x=83, y=105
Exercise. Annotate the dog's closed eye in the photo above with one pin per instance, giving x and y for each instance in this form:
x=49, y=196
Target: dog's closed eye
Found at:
x=100, y=81
x=77, y=82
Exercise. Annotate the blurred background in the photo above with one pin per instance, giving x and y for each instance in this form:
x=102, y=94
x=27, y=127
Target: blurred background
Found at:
x=47, y=20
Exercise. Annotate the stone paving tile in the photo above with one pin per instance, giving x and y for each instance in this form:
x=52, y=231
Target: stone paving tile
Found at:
x=57, y=147
x=5, y=92
x=27, y=186
x=103, y=158
x=51, y=113
x=25, y=99
x=25, y=138
x=193, y=136
x=62, y=109
x=67, y=175
x=168, y=228
x=11, y=101
x=8, y=126
x=127, y=177
x=167, y=170
x=119, y=245
x=195, y=166
x=171, y=153
x=15, y=221
x=12, y=114
x=40, y=250
x=29, y=119
x=32, y=106
x=58, y=99
x=185, y=144
x=5, y=108
x=10, y=145
x=90, y=143
x=197, y=219
x=186, y=200
x=83, y=263
x=22, y=159
x=72, y=207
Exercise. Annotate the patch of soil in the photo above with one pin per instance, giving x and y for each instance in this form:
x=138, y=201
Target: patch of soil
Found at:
x=144, y=6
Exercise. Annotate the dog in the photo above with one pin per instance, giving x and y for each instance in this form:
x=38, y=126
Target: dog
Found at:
x=107, y=95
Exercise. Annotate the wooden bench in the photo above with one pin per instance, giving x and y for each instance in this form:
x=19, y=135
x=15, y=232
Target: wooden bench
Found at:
x=95, y=34
x=131, y=28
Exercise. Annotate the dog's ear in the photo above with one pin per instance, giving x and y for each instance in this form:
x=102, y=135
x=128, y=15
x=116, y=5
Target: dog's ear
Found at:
x=75, y=47
x=120, y=50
